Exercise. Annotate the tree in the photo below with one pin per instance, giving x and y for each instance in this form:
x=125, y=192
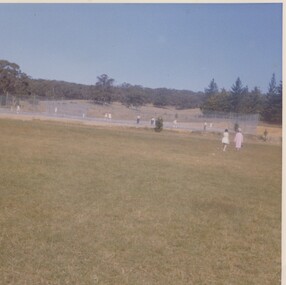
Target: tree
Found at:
x=12, y=79
x=159, y=124
x=135, y=100
x=222, y=101
x=131, y=95
x=236, y=95
x=272, y=109
x=236, y=127
x=212, y=89
x=160, y=100
x=217, y=102
x=272, y=89
x=276, y=104
x=211, y=104
x=104, y=87
x=126, y=85
x=251, y=102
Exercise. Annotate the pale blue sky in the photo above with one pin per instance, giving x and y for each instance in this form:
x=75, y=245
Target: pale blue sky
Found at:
x=180, y=46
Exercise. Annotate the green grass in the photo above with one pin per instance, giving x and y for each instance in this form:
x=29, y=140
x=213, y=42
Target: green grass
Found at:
x=91, y=205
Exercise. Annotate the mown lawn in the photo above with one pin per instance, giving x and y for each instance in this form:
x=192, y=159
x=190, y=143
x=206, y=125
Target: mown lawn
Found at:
x=94, y=205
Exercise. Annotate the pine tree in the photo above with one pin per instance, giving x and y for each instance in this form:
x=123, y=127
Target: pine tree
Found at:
x=272, y=109
x=210, y=100
x=277, y=106
x=212, y=89
x=236, y=95
x=272, y=89
x=218, y=102
x=223, y=101
x=251, y=102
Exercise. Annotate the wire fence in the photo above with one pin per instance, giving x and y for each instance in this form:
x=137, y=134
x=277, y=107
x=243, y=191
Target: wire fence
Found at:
x=87, y=110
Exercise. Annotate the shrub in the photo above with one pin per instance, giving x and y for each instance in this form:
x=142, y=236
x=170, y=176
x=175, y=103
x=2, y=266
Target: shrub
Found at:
x=159, y=124
x=236, y=127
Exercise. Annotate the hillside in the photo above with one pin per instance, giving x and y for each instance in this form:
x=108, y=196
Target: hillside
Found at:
x=126, y=93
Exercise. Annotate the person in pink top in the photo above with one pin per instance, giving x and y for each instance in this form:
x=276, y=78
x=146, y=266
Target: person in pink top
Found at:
x=238, y=139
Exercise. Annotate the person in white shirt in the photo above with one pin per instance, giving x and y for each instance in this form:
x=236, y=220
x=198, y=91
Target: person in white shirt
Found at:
x=175, y=123
x=225, y=139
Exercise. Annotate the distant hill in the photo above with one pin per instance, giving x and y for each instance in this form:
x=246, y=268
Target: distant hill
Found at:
x=126, y=93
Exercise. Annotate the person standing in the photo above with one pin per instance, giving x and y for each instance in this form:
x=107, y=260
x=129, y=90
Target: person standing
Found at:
x=225, y=139
x=205, y=126
x=175, y=123
x=138, y=119
x=238, y=139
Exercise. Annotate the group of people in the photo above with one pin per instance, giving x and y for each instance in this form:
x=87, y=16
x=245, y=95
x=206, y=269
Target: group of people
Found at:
x=107, y=116
x=205, y=126
x=17, y=109
x=238, y=139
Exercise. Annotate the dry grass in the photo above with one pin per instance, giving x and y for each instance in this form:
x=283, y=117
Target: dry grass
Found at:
x=90, y=205
x=186, y=117
x=273, y=130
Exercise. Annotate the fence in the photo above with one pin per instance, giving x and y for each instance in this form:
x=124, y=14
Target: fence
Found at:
x=83, y=109
x=247, y=122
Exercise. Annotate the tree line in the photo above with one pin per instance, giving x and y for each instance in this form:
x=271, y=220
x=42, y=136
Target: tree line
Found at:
x=239, y=99
x=104, y=91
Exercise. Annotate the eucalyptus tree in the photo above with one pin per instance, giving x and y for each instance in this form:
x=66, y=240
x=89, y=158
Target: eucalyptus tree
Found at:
x=12, y=82
x=104, y=89
x=12, y=79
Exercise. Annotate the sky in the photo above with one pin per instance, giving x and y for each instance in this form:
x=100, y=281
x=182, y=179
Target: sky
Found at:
x=177, y=46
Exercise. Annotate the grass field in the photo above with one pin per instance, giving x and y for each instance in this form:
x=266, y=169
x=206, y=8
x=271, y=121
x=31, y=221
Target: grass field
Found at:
x=94, y=205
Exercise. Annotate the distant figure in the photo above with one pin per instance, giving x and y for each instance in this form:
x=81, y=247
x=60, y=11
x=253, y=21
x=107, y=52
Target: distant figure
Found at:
x=18, y=109
x=225, y=139
x=175, y=123
x=238, y=139
x=265, y=135
x=153, y=121
x=211, y=125
x=138, y=119
x=105, y=116
x=205, y=126
x=56, y=110
x=109, y=116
